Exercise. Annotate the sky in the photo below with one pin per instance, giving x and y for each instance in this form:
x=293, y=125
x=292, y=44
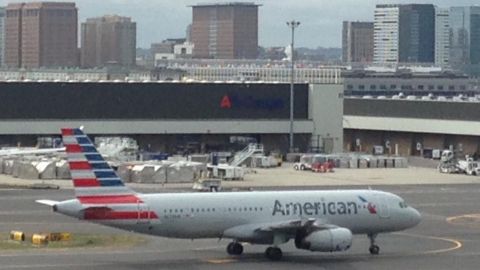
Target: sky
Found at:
x=321, y=20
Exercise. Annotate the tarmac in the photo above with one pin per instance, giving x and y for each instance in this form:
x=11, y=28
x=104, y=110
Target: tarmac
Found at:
x=447, y=238
x=287, y=176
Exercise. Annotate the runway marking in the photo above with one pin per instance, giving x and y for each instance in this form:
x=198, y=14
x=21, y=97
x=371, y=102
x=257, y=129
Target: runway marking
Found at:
x=470, y=220
x=456, y=243
x=220, y=261
x=96, y=251
x=50, y=266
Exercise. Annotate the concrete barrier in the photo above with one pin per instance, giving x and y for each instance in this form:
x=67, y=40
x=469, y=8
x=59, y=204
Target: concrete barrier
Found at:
x=362, y=163
x=16, y=167
x=26, y=170
x=353, y=163
x=124, y=171
x=47, y=169
x=389, y=162
x=8, y=166
x=142, y=173
x=400, y=162
x=62, y=170
x=185, y=172
x=160, y=174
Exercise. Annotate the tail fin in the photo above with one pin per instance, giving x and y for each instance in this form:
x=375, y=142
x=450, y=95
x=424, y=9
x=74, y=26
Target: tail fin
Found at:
x=95, y=182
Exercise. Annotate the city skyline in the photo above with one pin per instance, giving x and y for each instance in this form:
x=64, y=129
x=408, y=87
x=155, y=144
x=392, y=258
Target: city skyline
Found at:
x=319, y=18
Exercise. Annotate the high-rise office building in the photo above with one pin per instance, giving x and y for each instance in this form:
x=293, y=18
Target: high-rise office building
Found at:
x=442, y=36
x=464, y=36
x=404, y=33
x=386, y=34
x=108, y=40
x=2, y=36
x=417, y=33
x=357, y=42
x=225, y=31
x=41, y=34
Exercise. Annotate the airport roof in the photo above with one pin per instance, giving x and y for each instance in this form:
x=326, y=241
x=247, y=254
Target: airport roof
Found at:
x=225, y=4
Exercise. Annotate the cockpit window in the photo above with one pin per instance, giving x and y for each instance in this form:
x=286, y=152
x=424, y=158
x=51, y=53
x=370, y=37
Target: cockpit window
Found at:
x=403, y=205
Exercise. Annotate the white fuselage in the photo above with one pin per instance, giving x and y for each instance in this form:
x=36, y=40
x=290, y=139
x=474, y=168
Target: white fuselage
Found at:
x=211, y=215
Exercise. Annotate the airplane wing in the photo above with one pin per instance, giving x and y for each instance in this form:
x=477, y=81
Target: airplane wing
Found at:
x=253, y=232
x=292, y=225
x=35, y=151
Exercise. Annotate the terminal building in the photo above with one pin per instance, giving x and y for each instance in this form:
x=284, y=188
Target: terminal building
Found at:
x=408, y=113
x=411, y=127
x=168, y=116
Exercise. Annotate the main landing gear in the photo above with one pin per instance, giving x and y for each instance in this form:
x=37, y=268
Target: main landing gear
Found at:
x=273, y=253
x=374, y=249
x=235, y=248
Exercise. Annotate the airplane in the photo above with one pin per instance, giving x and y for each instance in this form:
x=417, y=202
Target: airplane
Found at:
x=15, y=151
x=322, y=220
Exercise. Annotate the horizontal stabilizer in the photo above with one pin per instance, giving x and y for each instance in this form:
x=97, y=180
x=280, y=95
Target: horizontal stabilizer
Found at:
x=47, y=202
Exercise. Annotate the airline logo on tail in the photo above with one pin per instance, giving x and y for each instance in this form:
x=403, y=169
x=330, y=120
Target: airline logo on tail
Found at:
x=97, y=184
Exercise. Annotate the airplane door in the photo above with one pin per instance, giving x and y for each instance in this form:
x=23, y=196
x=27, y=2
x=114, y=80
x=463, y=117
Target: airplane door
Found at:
x=382, y=207
x=143, y=213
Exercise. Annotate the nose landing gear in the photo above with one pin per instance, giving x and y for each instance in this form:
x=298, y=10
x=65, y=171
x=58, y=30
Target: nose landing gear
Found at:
x=374, y=249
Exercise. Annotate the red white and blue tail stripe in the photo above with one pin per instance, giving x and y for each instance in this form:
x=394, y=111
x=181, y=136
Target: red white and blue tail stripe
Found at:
x=94, y=180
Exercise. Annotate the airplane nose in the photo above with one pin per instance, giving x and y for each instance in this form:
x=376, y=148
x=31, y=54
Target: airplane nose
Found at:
x=415, y=216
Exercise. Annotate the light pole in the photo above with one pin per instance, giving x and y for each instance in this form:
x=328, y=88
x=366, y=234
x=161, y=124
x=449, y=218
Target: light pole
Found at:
x=292, y=24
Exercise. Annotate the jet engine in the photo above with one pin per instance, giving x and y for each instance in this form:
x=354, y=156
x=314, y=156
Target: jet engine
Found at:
x=328, y=240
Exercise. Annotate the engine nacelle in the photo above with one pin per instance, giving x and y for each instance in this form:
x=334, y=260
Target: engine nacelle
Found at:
x=337, y=239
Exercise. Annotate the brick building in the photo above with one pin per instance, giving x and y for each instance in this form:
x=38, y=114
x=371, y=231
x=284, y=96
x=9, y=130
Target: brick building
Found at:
x=225, y=31
x=41, y=34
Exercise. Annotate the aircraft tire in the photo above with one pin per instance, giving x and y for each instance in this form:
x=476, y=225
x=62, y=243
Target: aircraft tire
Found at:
x=235, y=248
x=374, y=250
x=273, y=253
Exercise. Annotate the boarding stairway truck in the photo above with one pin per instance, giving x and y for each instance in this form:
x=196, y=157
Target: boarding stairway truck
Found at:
x=249, y=151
